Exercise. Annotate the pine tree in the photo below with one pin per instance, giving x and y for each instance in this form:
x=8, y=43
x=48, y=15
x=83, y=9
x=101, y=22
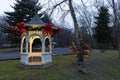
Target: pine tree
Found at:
x=102, y=32
x=24, y=10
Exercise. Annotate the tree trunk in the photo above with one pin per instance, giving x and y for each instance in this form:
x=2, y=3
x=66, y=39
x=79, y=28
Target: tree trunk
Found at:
x=81, y=63
x=77, y=35
x=116, y=26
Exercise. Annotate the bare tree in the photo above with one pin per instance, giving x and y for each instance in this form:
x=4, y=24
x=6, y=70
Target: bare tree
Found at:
x=77, y=33
x=115, y=6
x=116, y=24
x=87, y=15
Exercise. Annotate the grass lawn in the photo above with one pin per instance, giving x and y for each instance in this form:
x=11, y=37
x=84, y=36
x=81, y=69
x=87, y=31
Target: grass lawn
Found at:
x=100, y=66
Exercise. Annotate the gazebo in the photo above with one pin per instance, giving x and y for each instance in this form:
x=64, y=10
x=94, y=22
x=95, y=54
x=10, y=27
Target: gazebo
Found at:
x=35, y=29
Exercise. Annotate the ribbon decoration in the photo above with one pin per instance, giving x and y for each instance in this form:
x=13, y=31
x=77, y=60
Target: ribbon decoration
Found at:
x=48, y=29
x=58, y=32
x=21, y=27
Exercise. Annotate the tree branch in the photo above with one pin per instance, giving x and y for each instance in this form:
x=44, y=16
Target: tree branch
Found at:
x=56, y=6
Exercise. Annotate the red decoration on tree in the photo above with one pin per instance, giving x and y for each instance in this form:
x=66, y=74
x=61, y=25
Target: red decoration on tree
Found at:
x=58, y=31
x=12, y=28
x=48, y=29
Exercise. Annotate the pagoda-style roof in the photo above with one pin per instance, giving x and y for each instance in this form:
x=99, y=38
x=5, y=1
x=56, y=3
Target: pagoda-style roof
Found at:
x=35, y=21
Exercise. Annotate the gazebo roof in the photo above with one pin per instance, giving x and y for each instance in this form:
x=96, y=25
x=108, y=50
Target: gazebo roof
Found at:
x=35, y=21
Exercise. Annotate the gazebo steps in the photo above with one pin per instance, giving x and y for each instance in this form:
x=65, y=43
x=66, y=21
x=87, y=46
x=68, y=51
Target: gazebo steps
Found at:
x=35, y=65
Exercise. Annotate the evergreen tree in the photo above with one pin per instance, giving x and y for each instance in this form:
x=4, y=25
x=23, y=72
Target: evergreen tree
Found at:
x=24, y=10
x=102, y=32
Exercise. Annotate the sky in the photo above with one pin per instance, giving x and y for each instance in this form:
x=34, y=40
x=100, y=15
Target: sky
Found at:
x=5, y=5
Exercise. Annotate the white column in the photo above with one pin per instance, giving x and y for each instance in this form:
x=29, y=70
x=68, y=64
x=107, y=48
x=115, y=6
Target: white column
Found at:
x=21, y=49
x=27, y=41
x=43, y=43
x=50, y=44
x=25, y=57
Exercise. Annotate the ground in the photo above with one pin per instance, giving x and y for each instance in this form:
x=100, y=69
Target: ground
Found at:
x=100, y=66
x=104, y=66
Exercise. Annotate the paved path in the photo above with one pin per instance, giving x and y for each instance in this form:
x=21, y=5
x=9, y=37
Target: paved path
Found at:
x=4, y=56
x=15, y=55
x=61, y=51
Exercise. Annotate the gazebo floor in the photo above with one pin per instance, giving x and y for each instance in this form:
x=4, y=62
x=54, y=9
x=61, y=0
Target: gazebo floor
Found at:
x=34, y=63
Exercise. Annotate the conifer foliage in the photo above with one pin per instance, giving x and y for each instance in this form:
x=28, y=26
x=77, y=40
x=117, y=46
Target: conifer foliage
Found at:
x=24, y=10
x=102, y=32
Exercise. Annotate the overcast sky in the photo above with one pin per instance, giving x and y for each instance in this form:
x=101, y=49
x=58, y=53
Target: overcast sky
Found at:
x=5, y=6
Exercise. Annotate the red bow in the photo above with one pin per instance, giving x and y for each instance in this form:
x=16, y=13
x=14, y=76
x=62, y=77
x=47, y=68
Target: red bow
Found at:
x=48, y=29
x=58, y=31
x=21, y=27
x=22, y=30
